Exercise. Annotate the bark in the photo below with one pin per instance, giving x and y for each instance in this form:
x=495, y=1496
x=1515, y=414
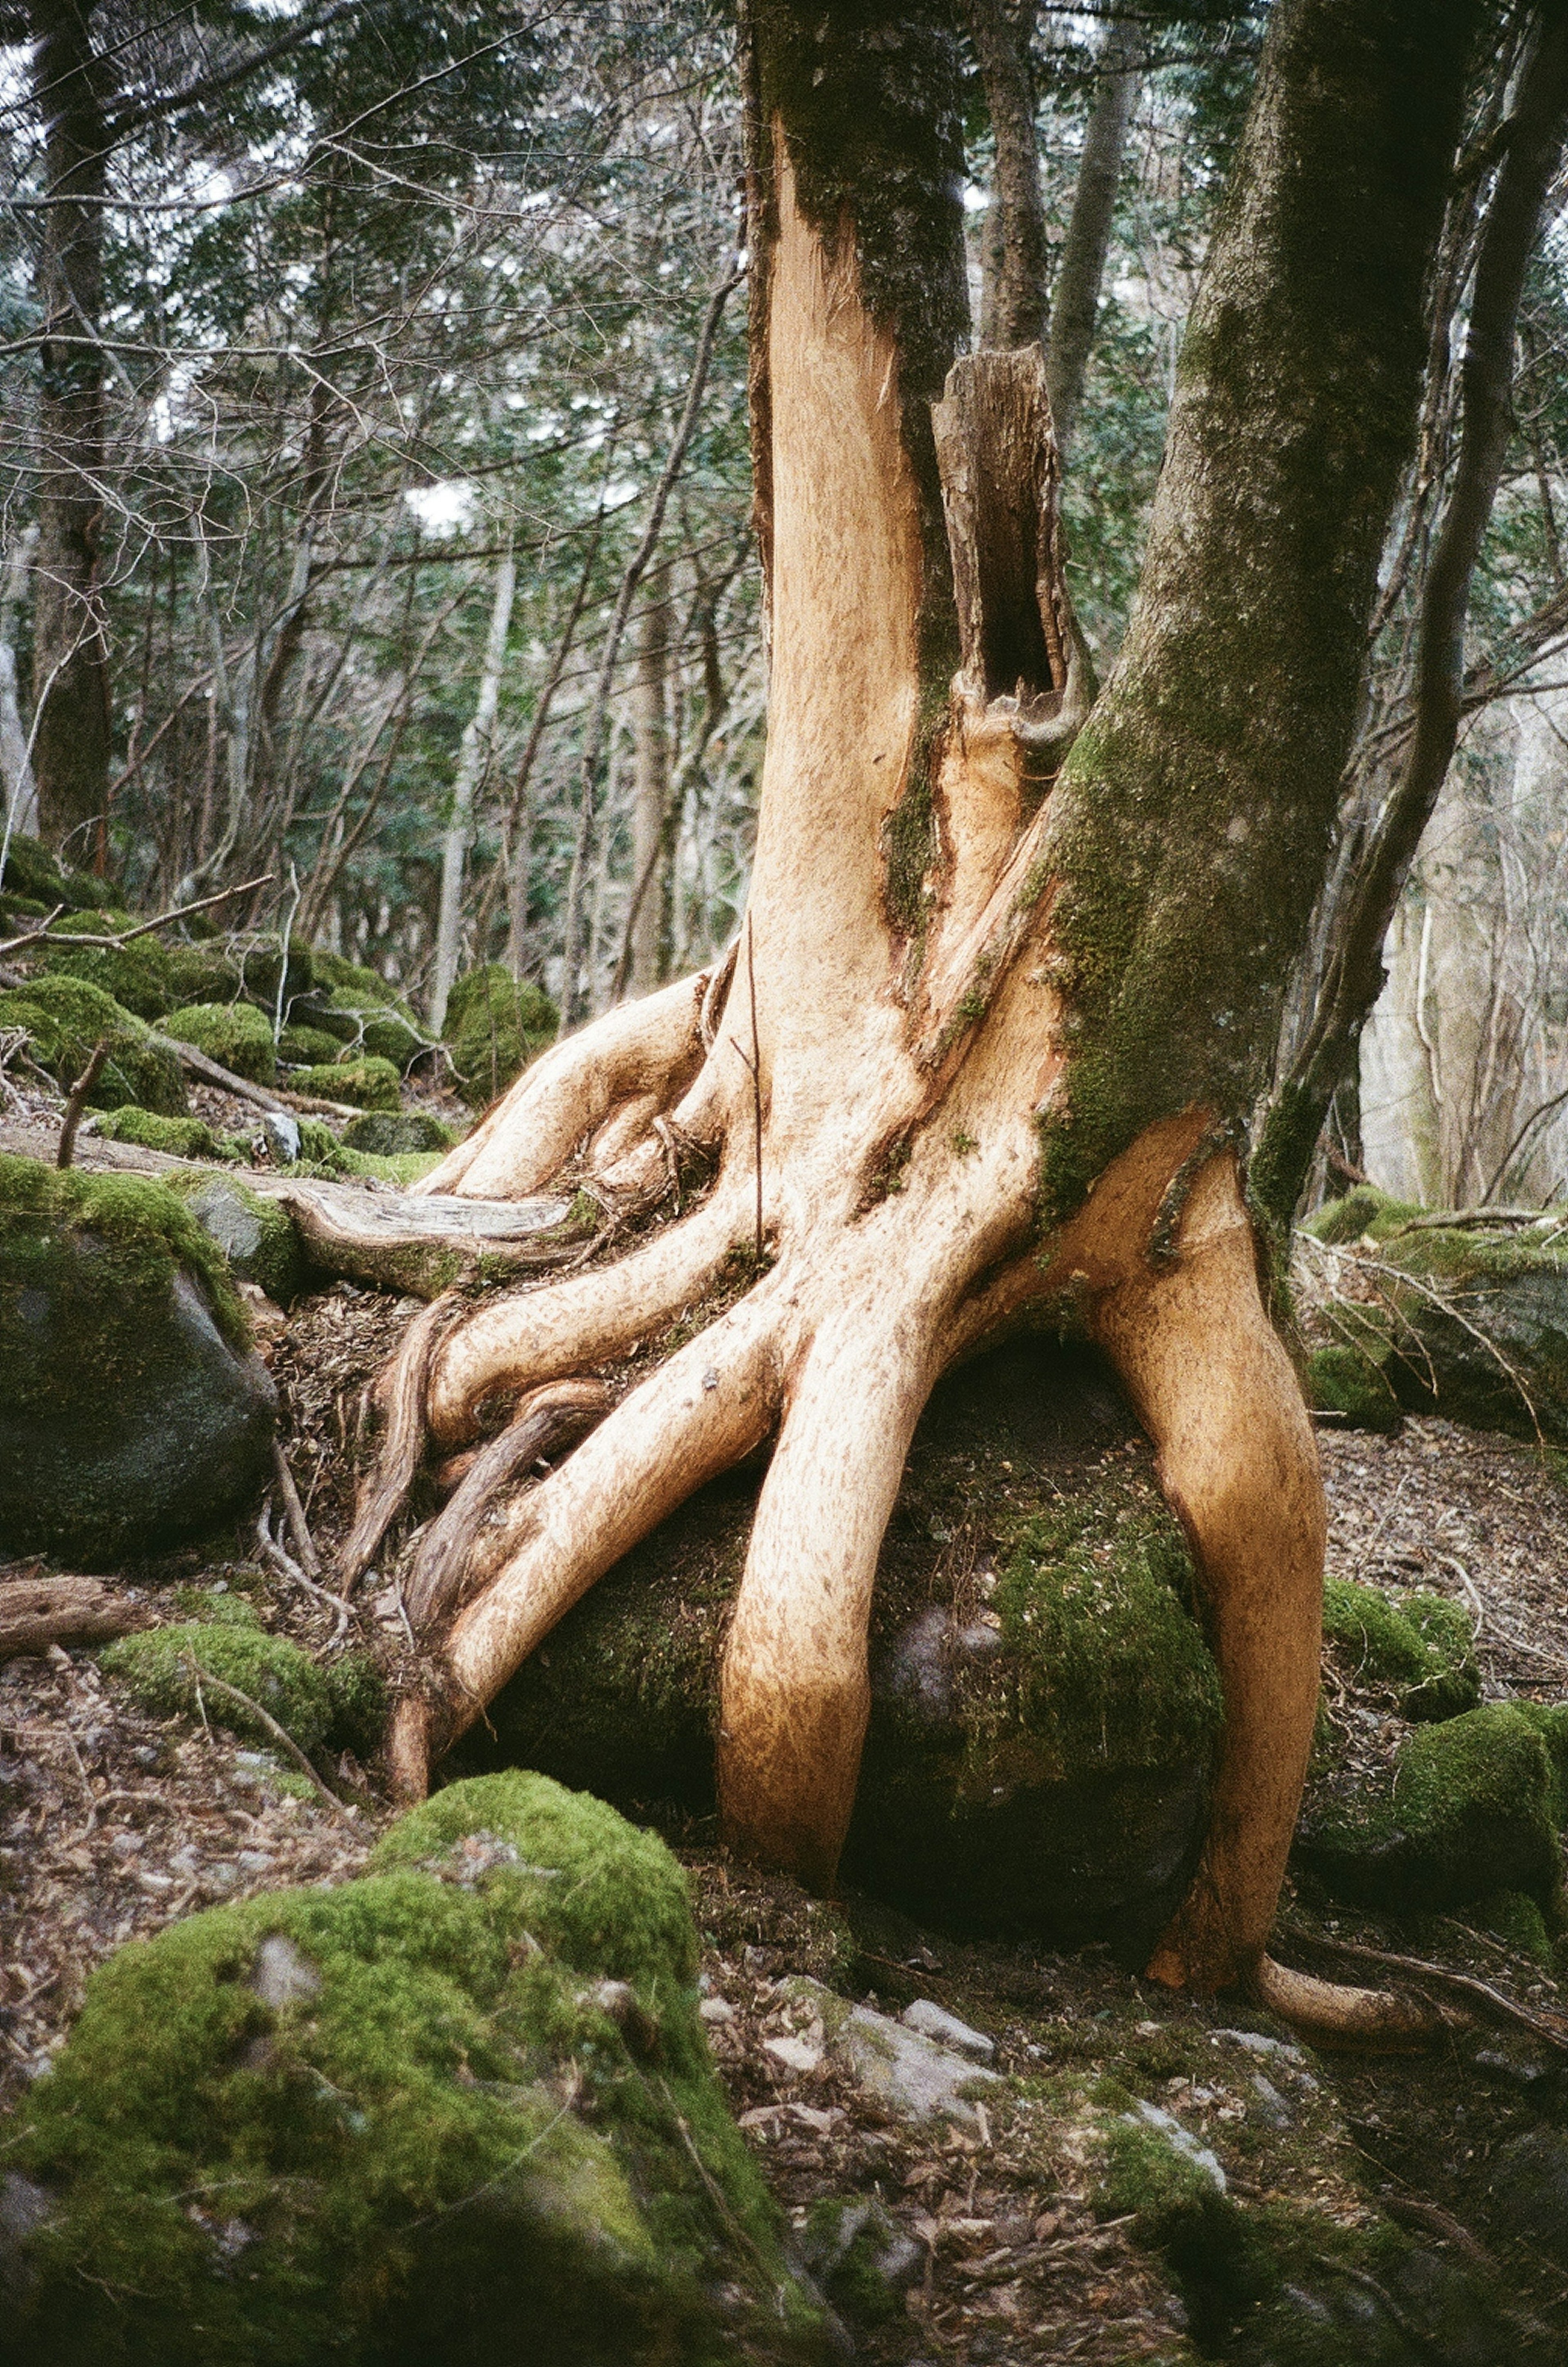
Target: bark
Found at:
x=1014, y=256
x=1076, y=306
x=1004, y=993
x=1355, y=972
x=650, y=788
x=473, y=755
x=71, y=686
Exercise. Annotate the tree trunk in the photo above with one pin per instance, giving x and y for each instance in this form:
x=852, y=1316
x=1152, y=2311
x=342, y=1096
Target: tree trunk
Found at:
x=983, y=1052
x=473, y=755
x=650, y=788
x=71, y=681
x=1076, y=307
x=16, y=759
x=1013, y=258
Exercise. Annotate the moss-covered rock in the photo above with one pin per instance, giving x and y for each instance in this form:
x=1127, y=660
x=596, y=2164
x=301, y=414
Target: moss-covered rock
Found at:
x=1422, y=1646
x=1043, y=1706
x=307, y=1047
x=459, y=2110
x=385, y=1136
x=1350, y=1381
x=202, y=974
x=340, y=1702
x=65, y=1017
x=1487, y=1328
x=137, y=975
x=362, y=1013
x=131, y=1412
x=33, y=872
x=256, y=1234
x=1474, y=1805
x=494, y=1027
x=181, y=1138
x=369, y=1084
x=236, y=1034
x=1362, y=1211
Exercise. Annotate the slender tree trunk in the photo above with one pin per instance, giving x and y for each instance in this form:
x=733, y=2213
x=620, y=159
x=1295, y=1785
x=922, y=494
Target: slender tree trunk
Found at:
x=1355, y=973
x=1076, y=304
x=650, y=786
x=70, y=680
x=1005, y=988
x=1013, y=253
x=473, y=755
x=15, y=761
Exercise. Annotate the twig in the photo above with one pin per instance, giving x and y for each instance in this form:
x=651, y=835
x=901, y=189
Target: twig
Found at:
x=294, y=1513
x=1471, y=1587
x=41, y=934
x=76, y=1102
x=1477, y=1994
x=204, y=1680
x=285, y=1562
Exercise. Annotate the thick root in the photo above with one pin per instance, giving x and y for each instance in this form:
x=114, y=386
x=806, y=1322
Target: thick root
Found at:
x=1327, y=2015
x=531, y=1337
x=546, y=1420
x=402, y=1391
x=650, y=1049
x=693, y=1419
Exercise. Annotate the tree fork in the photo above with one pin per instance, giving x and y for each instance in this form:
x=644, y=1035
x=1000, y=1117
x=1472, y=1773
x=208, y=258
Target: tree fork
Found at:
x=1013, y=988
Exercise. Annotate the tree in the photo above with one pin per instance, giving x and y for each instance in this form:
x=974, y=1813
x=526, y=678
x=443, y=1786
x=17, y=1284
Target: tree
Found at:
x=1011, y=973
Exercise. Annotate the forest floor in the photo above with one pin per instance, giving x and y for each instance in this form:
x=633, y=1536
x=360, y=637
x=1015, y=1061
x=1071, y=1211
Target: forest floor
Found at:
x=113, y=1823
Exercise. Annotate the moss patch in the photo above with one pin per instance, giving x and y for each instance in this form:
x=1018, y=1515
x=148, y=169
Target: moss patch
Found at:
x=307, y=1047
x=137, y=975
x=1344, y=1380
x=338, y=1702
x=494, y=1027
x=65, y=1017
x=181, y=1138
x=1422, y=1647
x=253, y=1232
x=385, y=1136
x=236, y=1034
x=398, y=2121
x=368, y=1084
x=143, y=1234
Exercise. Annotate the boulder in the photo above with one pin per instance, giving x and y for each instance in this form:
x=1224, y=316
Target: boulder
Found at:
x=1420, y=1646
x=254, y=1233
x=132, y=1413
x=1044, y=1709
x=236, y=1034
x=368, y=1084
x=180, y=1137
x=386, y=1136
x=137, y=975
x=462, y=2109
x=65, y=1017
x=340, y=1702
x=32, y=873
x=494, y=1027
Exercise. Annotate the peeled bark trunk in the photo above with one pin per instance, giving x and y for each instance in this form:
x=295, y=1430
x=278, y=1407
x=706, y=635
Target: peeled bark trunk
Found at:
x=473, y=755
x=70, y=684
x=1003, y=994
x=16, y=759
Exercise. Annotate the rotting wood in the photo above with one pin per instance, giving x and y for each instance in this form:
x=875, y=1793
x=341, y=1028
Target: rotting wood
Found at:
x=38, y=1611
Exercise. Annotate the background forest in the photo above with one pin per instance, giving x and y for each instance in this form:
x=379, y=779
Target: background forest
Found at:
x=375, y=495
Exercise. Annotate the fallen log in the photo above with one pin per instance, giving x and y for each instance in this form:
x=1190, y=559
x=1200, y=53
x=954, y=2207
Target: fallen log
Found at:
x=38, y=1611
x=268, y=1097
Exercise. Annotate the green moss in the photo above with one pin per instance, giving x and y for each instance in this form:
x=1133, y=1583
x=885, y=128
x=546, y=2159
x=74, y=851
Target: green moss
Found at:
x=368, y=1084
x=143, y=1237
x=137, y=975
x=181, y=1138
x=1344, y=1380
x=1364, y=1209
x=33, y=872
x=431, y=2136
x=65, y=1017
x=162, y=1668
x=1424, y=1645
x=1111, y=1669
x=385, y=1136
x=1519, y=1923
x=494, y=1027
x=307, y=1047
x=236, y=1034
x=251, y=1231
x=358, y=1694
x=203, y=974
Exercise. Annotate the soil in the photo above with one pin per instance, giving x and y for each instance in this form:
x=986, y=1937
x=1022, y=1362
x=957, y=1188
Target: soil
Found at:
x=113, y=1824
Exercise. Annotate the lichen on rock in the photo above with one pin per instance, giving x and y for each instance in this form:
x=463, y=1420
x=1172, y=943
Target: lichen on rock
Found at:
x=427, y=2115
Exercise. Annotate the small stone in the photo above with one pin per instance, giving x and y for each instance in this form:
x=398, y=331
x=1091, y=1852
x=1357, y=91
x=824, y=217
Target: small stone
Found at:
x=933, y=2021
x=282, y=1135
x=798, y=2055
x=155, y=1885
x=914, y=2077
x=715, y=2009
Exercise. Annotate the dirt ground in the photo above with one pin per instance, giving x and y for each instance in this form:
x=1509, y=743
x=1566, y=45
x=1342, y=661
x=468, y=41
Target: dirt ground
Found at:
x=113, y=1824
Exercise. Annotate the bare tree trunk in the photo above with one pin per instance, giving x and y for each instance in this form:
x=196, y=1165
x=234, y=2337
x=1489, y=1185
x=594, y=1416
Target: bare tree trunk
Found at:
x=1355, y=972
x=1076, y=304
x=1014, y=258
x=1005, y=988
x=16, y=759
x=650, y=786
x=71, y=684
x=473, y=755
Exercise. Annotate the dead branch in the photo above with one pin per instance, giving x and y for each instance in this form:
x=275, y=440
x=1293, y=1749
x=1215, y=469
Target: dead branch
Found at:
x=38, y=1611
x=41, y=934
x=205, y=1683
x=294, y=1513
x=268, y=1097
x=76, y=1102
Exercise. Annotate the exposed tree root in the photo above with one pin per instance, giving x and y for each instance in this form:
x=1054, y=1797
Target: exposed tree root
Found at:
x=401, y=1390
x=1332, y=2016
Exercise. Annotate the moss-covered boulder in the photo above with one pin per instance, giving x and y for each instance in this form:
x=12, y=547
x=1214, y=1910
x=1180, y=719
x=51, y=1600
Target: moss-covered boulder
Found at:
x=236, y=1034
x=368, y=1084
x=305, y=1047
x=131, y=1413
x=1470, y=1807
x=137, y=974
x=65, y=1017
x=494, y=1027
x=1349, y=1381
x=33, y=872
x=1364, y=1212
x=385, y=1136
x=1044, y=1708
x=202, y=974
x=316, y=1703
x=181, y=1138
x=1421, y=1646
x=256, y=1234
x=460, y=2109
x=1486, y=1340
x=361, y=1012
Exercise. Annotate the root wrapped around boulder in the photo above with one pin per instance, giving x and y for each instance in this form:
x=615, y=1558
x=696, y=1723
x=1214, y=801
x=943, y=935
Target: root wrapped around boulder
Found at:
x=459, y=2110
x=132, y=1413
